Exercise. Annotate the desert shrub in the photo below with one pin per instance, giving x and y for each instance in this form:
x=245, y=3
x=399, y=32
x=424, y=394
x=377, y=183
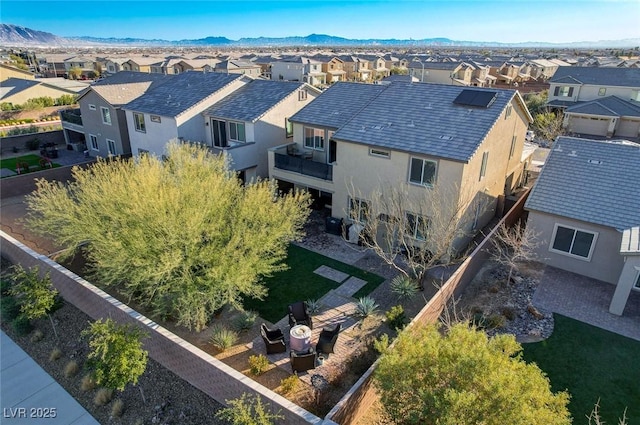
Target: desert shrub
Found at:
x=248, y=410
x=6, y=106
x=5, y=285
x=479, y=320
x=88, y=382
x=66, y=99
x=117, y=409
x=33, y=144
x=404, y=287
x=9, y=308
x=37, y=336
x=21, y=325
x=245, y=320
x=71, y=369
x=289, y=384
x=365, y=307
x=258, y=364
x=381, y=344
x=495, y=321
x=223, y=338
x=395, y=317
x=55, y=354
x=508, y=312
x=102, y=397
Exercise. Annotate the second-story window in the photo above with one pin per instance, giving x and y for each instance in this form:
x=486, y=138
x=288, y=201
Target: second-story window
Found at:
x=236, y=132
x=288, y=128
x=314, y=138
x=563, y=91
x=138, y=121
x=422, y=171
x=106, y=115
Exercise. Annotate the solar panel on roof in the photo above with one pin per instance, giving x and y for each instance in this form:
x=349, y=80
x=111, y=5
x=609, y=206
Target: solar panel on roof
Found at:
x=480, y=98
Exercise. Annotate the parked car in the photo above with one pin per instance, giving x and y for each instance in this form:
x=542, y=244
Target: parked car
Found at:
x=530, y=136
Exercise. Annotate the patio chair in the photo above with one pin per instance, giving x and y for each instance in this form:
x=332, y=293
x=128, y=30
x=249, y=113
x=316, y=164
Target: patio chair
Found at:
x=327, y=339
x=298, y=315
x=273, y=339
x=303, y=361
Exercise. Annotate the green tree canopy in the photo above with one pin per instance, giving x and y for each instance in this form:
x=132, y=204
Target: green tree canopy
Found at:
x=116, y=356
x=462, y=377
x=182, y=237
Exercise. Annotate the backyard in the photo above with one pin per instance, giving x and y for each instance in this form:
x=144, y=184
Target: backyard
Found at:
x=30, y=162
x=592, y=364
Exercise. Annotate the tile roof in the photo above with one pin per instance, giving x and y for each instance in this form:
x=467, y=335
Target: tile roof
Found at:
x=591, y=181
x=422, y=118
x=336, y=105
x=181, y=92
x=13, y=86
x=125, y=86
x=607, y=76
x=609, y=106
x=252, y=101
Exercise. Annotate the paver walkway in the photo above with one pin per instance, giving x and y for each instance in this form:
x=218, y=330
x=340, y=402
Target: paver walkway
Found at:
x=28, y=393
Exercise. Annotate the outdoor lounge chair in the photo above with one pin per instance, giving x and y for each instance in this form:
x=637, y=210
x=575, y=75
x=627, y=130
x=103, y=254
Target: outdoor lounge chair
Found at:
x=303, y=361
x=327, y=339
x=298, y=315
x=273, y=339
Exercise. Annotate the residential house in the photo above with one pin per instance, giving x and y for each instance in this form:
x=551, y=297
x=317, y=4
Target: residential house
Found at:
x=85, y=64
x=99, y=125
x=254, y=118
x=112, y=64
x=542, y=69
x=173, y=110
x=453, y=73
x=356, y=69
x=378, y=66
x=299, y=68
x=598, y=101
x=363, y=136
x=8, y=71
x=481, y=75
x=54, y=65
x=238, y=67
x=142, y=64
x=17, y=90
x=333, y=67
x=585, y=208
x=205, y=65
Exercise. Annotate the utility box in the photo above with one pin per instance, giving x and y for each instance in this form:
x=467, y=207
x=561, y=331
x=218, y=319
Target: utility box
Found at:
x=334, y=226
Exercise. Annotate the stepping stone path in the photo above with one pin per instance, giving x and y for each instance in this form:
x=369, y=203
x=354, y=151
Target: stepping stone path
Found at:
x=331, y=274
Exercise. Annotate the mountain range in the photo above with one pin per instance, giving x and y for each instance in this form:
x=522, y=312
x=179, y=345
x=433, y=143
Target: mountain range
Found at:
x=17, y=36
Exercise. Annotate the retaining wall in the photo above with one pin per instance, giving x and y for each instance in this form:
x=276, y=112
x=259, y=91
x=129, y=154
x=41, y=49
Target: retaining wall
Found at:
x=19, y=142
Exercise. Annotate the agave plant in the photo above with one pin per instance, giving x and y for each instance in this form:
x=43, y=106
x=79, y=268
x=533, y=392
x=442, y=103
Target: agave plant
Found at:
x=366, y=306
x=313, y=306
x=404, y=287
x=223, y=338
x=245, y=320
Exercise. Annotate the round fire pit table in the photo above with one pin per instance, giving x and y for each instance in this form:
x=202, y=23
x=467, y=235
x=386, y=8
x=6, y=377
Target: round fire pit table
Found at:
x=300, y=338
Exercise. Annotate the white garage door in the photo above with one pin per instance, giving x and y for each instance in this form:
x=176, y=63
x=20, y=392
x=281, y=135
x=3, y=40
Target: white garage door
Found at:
x=592, y=126
x=628, y=128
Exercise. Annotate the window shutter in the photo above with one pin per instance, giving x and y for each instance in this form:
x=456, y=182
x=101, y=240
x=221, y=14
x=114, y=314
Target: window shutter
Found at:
x=570, y=91
x=556, y=91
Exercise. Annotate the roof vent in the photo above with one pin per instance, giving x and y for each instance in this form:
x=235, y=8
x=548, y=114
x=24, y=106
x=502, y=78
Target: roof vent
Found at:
x=446, y=137
x=377, y=127
x=411, y=124
x=573, y=153
x=594, y=161
x=428, y=106
x=362, y=130
x=558, y=148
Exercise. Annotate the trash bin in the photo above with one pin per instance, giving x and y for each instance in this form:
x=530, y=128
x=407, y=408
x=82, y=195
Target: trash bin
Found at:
x=334, y=226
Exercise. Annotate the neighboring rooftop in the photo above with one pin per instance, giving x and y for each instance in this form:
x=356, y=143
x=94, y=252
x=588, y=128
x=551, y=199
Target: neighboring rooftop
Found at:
x=604, y=76
x=125, y=86
x=181, y=92
x=591, y=181
x=611, y=105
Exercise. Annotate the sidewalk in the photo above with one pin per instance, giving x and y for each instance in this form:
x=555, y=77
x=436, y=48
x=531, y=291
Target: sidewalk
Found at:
x=29, y=395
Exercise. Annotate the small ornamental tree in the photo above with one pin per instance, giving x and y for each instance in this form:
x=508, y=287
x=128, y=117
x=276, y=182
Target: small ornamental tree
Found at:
x=248, y=410
x=35, y=294
x=514, y=246
x=463, y=377
x=116, y=356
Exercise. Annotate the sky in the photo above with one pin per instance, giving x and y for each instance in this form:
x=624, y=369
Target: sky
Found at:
x=505, y=21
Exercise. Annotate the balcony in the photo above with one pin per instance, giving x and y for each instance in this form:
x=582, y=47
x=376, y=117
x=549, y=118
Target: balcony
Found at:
x=301, y=165
x=72, y=116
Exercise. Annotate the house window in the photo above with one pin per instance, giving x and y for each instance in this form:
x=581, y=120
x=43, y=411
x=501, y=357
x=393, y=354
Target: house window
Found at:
x=564, y=91
x=483, y=167
x=106, y=115
x=92, y=107
x=417, y=226
x=314, y=138
x=219, y=133
x=288, y=128
x=574, y=242
x=138, y=121
x=93, y=141
x=302, y=95
x=379, y=152
x=155, y=118
x=111, y=145
x=637, y=284
x=507, y=113
x=236, y=132
x=602, y=91
x=359, y=210
x=513, y=146
x=422, y=171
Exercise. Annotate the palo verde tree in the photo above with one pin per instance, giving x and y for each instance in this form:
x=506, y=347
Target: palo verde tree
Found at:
x=414, y=233
x=462, y=377
x=116, y=358
x=35, y=294
x=183, y=236
x=514, y=246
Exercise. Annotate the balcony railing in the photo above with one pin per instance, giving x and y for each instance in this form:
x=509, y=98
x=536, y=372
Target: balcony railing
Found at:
x=73, y=116
x=303, y=166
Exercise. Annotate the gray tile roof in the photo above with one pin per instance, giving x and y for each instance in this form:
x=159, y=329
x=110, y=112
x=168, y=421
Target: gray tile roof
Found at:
x=181, y=92
x=607, y=106
x=435, y=65
x=336, y=105
x=607, y=76
x=13, y=86
x=591, y=181
x=125, y=86
x=253, y=100
x=422, y=118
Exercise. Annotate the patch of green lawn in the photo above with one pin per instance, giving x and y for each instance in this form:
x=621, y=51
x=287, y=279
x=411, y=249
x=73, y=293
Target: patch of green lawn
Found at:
x=591, y=364
x=10, y=163
x=300, y=283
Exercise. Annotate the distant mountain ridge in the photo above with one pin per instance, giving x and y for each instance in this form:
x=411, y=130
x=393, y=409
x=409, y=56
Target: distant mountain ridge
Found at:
x=14, y=35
